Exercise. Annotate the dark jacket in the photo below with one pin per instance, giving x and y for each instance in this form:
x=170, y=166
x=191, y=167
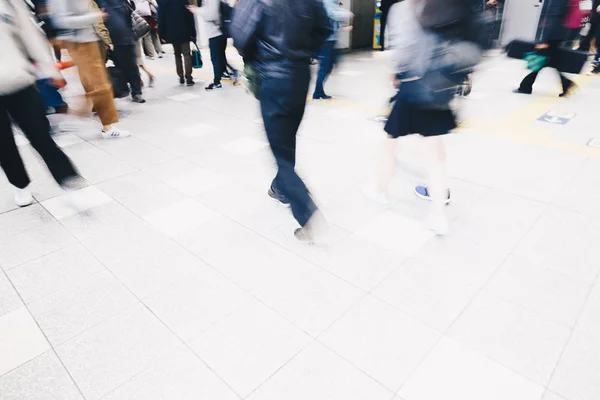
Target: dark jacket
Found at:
x=175, y=22
x=119, y=21
x=552, y=20
x=280, y=36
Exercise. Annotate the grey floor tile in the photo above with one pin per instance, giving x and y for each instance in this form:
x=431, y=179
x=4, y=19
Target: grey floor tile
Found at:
x=110, y=354
x=43, y=378
x=22, y=220
x=9, y=298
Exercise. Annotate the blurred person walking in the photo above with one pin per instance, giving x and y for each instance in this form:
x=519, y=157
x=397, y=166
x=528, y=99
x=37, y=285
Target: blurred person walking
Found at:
x=22, y=44
x=124, y=39
x=329, y=54
x=435, y=46
x=558, y=25
x=177, y=26
x=278, y=38
x=77, y=23
x=141, y=62
x=386, y=5
x=148, y=11
x=217, y=42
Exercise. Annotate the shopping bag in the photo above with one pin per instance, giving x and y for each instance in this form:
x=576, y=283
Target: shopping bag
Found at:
x=535, y=61
x=197, y=57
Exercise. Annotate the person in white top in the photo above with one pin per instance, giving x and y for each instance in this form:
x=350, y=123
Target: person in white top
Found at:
x=22, y=44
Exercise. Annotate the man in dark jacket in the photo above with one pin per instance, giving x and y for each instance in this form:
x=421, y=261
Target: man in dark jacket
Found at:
x=552, y=34
x=177, y=26
x=279, y=38
x=125, y=41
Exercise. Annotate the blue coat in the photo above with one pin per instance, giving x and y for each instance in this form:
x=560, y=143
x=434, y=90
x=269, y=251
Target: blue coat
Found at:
x=175, y=22
x=118, y=22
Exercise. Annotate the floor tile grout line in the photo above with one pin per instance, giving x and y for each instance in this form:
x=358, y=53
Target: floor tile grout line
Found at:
x=52, y=348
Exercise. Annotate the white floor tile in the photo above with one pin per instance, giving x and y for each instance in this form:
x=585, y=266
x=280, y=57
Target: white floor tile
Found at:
x=67, y=140
x=589, y=321
x=319, y=374
x=577, y=376
x=382, y=341
x=245, y=146
x=180, y=217
x=198, y=130
x=22, y=220
x=20, y=340
x=187, y=177
x=9, y=299
x=249, y=346
x=430, y=293
x=43, y=378
x=184, y=97
x=397, y=233
x=454, y=371
x=520, y=340
x=76, y=202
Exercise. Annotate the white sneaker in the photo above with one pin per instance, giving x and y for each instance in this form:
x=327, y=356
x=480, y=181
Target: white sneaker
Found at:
x=23, y=197
x=115, y=133
x=380, y=198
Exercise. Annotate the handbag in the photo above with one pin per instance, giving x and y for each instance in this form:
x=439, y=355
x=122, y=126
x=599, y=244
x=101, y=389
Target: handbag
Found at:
x=140, y=27
x=535, y=61
x=197, y=57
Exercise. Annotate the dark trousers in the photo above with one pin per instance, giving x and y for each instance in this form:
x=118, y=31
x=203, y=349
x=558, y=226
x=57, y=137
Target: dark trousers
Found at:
x=217, y=47
x=27, y=109
x=182, y=50
x=125, y=59
x=383, y=22
x=551, y=53
x=282, y=102
x=327, y=59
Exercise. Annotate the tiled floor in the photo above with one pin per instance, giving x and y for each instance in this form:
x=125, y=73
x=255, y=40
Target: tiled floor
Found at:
x=179, y=279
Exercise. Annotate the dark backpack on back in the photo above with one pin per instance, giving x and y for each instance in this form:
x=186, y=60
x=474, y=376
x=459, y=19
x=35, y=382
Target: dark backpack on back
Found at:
x=226, y=13
x=439, y=15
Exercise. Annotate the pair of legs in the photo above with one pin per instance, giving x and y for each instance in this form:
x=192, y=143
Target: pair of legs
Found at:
x=152, y=45
x=94, y=78
x=327, y=60
x=183, y=58
x=217, y=47
x=552, y=53
x=125, y=59
x=283, y=101
x=142, y=65
x=28, y=111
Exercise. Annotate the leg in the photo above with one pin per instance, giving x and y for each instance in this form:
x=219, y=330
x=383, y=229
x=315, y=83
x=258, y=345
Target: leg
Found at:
x=387, y=166
x=178, y=48
x=438, y=182
x=10, y=159
x=94, y=78
x=325, y=60
x=28, y=110
x=148, y=46
x=216, y=44
x=126, y=61
x=187, y=61
x=156, y=42
x=527, y=82
x=384, y=15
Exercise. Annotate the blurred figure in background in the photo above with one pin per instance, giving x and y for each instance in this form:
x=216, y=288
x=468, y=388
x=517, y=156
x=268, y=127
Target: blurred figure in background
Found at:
x=20, y=101
x=328, y=54
x=105, y=41
x=77, y=24
x=279, y=38
x=42, y=13
x=556, y=29
x=148, y=11
x=217, y=42
x=385, y=10
x=141, y=62
x=124, y=40
x=177, y=26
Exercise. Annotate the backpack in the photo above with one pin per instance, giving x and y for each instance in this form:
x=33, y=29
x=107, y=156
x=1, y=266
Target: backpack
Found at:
x=226, y=16
x=441, y=14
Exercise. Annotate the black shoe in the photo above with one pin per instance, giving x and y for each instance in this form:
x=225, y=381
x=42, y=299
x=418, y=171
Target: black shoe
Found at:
x=214, y=86
x=275, y=195
x=570, y=90
x=322, y=97
x=595, y=70
x=522, y=91
x=226, y=75
x=191, y=82
x=181, y=81
x=137, y=98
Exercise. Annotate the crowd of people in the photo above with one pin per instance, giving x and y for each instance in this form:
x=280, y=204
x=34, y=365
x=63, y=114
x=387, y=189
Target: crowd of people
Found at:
x=278, y=39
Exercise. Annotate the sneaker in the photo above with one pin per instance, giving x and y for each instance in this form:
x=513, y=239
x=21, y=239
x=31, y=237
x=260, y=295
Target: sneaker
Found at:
x=152, y=81
x=316, y=230
x=181, y=81
x=214, y=86
x=322, y=97
x=191, y=82
x=595, y=70
x=137, y=98
x=23, y=197
x=423, y=193
x=226, y=76
x=115, y=133
x=160, y=55
x=304, y=235
x=380, y=198
x=275, y=195
x=236, y=78
x=572, y=89
x=522, y=91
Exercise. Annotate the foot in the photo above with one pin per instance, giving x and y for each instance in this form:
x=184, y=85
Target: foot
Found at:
x=236, y=78
x=315, y=231
x=150, y=58
x=276, y=195
x=321, y=97
x=23, y=197
x=423, y=193
x=375, y=196
x=160, y=56
x=570, y=90
x=522, y=91
x=152, y=81
x=115, y=133
x=191, y=82
x=181, y=81
x=595, y=70
x=137, y=98
x=304, y=235
x=214, y=86
x=226, y=76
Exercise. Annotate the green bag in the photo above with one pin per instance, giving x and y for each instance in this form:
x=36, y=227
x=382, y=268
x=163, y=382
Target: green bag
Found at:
x=197, y=58
x=252, y=80
x=535, y=61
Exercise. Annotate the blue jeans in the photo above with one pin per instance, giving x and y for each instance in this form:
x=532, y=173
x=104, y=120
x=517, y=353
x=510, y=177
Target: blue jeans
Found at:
x=283, y=101
x=327, y=60
x=217, y=47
